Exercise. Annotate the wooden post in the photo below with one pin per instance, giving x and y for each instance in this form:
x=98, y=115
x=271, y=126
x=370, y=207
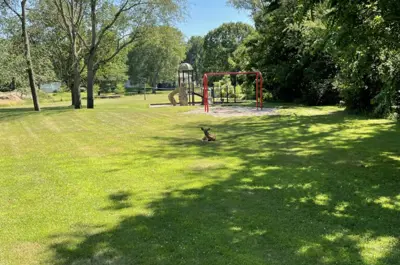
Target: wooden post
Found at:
x=193, y=103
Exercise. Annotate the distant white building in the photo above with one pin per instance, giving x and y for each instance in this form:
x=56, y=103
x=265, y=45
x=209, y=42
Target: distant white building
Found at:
x=50, y=87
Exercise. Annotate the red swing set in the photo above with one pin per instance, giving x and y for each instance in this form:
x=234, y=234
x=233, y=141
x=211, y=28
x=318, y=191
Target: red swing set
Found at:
x=259, y=87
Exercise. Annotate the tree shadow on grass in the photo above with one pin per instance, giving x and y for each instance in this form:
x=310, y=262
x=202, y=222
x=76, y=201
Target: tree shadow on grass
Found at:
x=9, y=114
x=299, y=196
x=119, y=200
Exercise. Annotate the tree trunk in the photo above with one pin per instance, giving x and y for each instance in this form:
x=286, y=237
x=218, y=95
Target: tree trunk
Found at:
x=12, y=86
x=70, y=78
x=77, y=85
x=76, y=92
x=91, y=71
x=31, y=74
x=76, y=74
x=71, y=88
x=72, y=97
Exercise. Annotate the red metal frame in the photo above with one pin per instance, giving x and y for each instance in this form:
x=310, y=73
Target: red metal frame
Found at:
x=259, y=87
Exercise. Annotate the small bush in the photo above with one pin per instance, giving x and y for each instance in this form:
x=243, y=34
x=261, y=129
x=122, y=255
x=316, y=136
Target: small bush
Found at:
x=267, y=96
x=320, y=92
x=63, y=89
x=96, y=88
x=394, y=116
x=44, y=95
x=248, y=89
x=107, y=86
x=133, y=90
x=120, y=89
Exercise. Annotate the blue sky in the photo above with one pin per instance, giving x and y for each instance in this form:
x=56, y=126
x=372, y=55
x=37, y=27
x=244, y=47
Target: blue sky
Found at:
x=205, y=15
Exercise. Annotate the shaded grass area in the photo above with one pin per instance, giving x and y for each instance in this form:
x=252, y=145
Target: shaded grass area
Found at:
x=124, y=184
x=15, y=113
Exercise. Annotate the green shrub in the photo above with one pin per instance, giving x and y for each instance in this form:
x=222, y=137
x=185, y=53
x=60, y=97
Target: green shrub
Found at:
x=44, y=95
x=63, y=88
x=267, y=96
x=120, y=89
x=96, y=88
x=134, y=90
x=108, y=86
x=23, y=91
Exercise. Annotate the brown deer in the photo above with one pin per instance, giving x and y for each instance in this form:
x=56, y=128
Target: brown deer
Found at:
x=207, y=136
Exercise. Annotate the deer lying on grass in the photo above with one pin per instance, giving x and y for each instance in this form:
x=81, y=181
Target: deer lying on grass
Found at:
x=207, y=136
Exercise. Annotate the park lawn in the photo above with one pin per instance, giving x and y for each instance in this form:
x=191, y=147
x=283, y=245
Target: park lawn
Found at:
x=125, y=184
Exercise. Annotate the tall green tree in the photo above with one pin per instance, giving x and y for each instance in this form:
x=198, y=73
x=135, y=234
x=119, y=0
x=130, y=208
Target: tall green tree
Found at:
x=254, y=6
x=71, y=15
x=195, y=55
x=157, y=56
x=115, y=70
x=19, y=9
x=11, y=64
x=220, y=43
x=53, y=35
x=128, y=20
x=366, y=45
x=313, y=49
x=290, y=53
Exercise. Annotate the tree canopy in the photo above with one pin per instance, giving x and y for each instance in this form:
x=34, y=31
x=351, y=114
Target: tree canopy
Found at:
x=80, y=42
x=220, y=44
x=195, y=55
x=319, y=52
x=157, y=56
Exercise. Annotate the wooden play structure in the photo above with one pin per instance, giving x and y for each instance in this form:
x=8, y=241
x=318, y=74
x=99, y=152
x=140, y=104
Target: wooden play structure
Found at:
x=186, y=87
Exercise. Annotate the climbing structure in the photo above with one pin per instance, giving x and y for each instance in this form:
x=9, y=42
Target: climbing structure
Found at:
x=259, y=87
x=185, y=86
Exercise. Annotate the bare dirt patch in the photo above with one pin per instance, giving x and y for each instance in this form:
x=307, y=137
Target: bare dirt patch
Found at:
x=9, y=98
x=236, y=111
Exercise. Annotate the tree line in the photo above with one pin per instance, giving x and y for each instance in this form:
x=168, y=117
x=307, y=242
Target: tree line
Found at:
x=323, y=51
x=74, y=40
x=314, y=52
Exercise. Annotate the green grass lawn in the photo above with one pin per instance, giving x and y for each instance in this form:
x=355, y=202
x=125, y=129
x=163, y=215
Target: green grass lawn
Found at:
x=125, y=184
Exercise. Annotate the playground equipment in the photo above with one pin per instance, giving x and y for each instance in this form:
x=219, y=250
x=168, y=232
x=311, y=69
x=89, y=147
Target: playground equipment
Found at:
x=186, y=87
x=259, y=87
x=183, y=97
x=223, y=93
